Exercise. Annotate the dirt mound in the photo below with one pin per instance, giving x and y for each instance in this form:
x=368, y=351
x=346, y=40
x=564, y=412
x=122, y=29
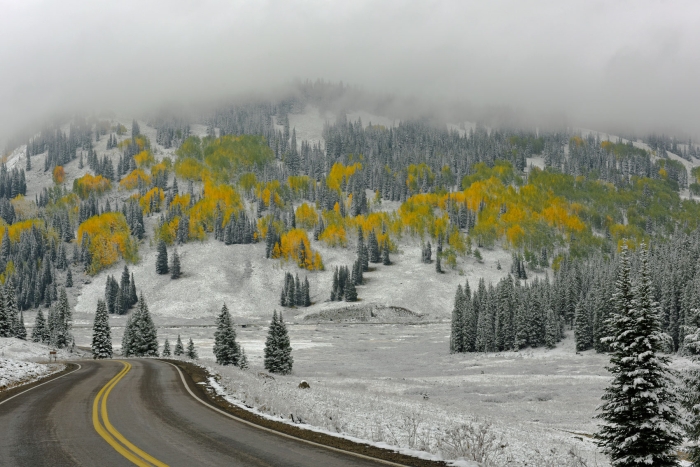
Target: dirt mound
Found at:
x=366, y=314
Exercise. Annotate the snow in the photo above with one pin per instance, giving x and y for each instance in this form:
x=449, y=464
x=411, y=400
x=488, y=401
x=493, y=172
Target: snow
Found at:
x=15, y=372
x=22, y=362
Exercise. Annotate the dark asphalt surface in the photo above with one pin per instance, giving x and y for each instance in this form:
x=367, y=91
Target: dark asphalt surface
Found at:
x=52, y=425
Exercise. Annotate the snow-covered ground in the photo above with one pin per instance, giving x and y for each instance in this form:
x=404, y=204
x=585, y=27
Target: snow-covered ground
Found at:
x=22, y=362
x=385, y=382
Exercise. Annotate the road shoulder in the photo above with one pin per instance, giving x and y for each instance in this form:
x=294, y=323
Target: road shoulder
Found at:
x=195, y=374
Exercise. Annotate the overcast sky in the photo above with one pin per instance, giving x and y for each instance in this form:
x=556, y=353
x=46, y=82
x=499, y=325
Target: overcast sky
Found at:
x=603, y=64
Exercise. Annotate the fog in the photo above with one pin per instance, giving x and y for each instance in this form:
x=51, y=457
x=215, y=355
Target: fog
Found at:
x=628, y=65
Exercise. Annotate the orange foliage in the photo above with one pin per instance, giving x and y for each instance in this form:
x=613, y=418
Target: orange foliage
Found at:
x=294, y=245
x=131, y=181
x=59, y=175
x=110, y=239
x=88, y=183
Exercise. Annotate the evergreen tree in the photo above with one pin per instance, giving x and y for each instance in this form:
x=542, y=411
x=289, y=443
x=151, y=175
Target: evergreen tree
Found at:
x=306, y=293
x=582, y=328
x=166, y=348
x=101, y=333
x=140, y=335
x=191, y=351
x=373, y=246
x=179, y=348
x=175, y=269
x=457, y=325
x=243, y=360
x=552, y=332
x=69, y=278
x=6, y=322
x=386, y=261
x=40, y=333
x=226, y=349
x=350, y=292
x=278, y=351
x=162, y=258
x=20, y=330
x=640, y=408
x=133, y=297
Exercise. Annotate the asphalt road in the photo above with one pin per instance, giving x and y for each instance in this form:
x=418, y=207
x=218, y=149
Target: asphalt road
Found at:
x=61, y=424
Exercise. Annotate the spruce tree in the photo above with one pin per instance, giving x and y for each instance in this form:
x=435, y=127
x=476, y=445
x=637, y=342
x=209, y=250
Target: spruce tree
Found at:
x=226, y=349
x=179, y=348
x=243, y=360
x=69, y=278
x=20, y=330
x=552, y=330
x=6, y=324
x=101, y=333
x=191, y=351
x=350, y=292
x=175, y=272
x=166, y=348
x=162, y=258
x=582, y=328
x=40, y=333
x=457, y=325
x=140, y=336
x=639, y=411
x=278, y=352
x=386, y=261
x=306, y=293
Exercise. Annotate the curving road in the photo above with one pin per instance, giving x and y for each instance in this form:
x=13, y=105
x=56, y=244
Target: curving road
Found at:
x=138, y=412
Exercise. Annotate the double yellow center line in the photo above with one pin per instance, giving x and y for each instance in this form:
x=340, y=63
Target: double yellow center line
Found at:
x=110, y=434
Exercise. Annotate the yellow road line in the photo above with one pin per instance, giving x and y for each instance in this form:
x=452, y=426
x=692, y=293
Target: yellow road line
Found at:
x=128, y=450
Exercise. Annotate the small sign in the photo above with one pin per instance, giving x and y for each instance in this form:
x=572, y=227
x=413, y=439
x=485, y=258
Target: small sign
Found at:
x=52, y=353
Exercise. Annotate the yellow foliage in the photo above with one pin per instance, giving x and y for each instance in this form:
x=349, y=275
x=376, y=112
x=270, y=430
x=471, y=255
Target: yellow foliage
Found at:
x=110, y=239
x=144, y=159
x=248, y=181
x=189, y=169
x=16, y=229
x=299, y=183
x=576, y=141
x=203, y=213
x=340, y=173
x=155, y=197
x=294, y=245
x=88, y=183
x=334, y=236
x=131, y=181
x=162, y=166
x=59, y=174
x=306, y=216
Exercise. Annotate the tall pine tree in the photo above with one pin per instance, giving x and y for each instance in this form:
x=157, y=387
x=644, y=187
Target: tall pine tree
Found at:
x=226, y=349
x=278, y=351
x=162, y=258
x=101, y=333
x=640, y=410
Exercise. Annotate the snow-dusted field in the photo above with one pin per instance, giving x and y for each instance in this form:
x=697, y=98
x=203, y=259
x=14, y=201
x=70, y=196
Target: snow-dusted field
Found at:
x=369, y=380
x=22, y=362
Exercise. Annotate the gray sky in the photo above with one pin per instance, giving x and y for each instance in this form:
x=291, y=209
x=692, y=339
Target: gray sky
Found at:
x=604, y=64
